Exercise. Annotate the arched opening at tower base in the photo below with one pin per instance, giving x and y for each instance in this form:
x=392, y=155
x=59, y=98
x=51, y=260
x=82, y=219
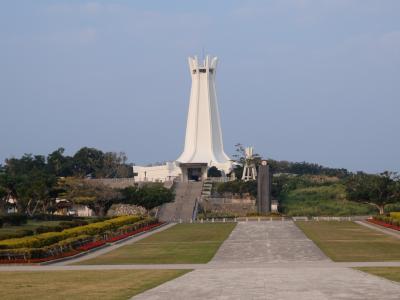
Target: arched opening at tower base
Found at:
x=193, y=171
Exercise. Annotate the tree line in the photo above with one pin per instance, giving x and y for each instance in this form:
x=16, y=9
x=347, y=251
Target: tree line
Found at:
x=35, y=181
x=377, y=190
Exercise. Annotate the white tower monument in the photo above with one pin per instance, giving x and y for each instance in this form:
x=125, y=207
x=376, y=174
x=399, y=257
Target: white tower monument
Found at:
x=203, y=142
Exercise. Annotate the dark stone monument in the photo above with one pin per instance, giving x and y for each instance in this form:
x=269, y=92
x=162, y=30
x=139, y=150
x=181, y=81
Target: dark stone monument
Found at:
x=264, y=186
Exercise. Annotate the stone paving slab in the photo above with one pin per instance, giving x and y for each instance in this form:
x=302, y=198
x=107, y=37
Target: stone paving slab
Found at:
x=271, y=283
x=266, y=242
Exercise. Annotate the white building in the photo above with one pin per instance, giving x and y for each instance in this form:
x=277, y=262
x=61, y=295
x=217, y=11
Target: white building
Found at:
x=203, y=141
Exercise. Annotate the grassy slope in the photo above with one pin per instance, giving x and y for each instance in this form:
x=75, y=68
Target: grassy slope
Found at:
x=391, y=273
x=322, y=200
x=348, y=241
x=109, y=284
x=183, y=243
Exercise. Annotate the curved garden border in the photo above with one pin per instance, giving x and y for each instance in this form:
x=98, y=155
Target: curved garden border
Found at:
x=83, y=247
x=384, y=224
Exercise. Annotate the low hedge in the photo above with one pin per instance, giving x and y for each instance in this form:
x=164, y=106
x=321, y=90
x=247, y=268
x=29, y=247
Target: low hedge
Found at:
x=60, y=227
x=14, y=219
x=395, y=215
x=17, y=234
x=49, y=238
x=136, y=225
x=53, y=250
x=388, y=219
x=74, y=245
x=43, y=229
x=73, y=223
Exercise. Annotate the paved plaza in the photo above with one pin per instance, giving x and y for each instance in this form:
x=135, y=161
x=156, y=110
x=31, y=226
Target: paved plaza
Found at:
x=268, y=242
x=275, y=260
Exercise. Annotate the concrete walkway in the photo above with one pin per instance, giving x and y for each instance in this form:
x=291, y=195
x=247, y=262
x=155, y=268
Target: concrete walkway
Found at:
x=256, y=254
x=267, y=242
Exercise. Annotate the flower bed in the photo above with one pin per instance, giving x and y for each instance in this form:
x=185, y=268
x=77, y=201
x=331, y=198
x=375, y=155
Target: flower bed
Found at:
x=74, y=245
x=92, y=245
x=38, y=260
x=384, y=224
x=128, y=234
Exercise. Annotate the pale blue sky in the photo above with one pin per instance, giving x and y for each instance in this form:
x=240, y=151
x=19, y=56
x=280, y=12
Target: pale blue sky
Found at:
x=313, y=80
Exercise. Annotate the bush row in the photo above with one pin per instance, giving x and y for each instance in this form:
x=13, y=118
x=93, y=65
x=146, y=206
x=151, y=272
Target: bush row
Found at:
x=13, y=219
x=72, y=245
x=16, y=219
x=42, y=229
x=54, y=250
x=395, y=215
x=388, y=220
x=60, y=227
x=49, y=238
x=17, y=234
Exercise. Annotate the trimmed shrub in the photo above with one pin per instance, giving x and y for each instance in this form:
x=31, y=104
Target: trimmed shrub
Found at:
x=395, y=215
x=74, y=245
x=73, y=223
x=53, y=250
x=15, y=219
x=43, y=229
x=17, y=234
x=50, y=217
x=49, y=238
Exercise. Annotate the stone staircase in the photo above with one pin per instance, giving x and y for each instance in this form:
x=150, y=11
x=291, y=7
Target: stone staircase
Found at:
x=206, y=189
x=181, y=210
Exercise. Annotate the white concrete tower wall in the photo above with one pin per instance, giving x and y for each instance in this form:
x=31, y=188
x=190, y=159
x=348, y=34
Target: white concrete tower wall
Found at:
x=203, y=141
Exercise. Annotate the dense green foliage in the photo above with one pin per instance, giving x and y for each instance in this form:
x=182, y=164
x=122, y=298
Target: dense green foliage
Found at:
x=393, y=220
x=238, y=187
x=32, y=180
x=378, y=190
x=14, y=219
x=147, y=196
x=16, y=234
x=310, y=195
x=94, y=195
x=305, y=168
x=49, y=238
x=395, y=215
x=285, y=167
x=322, y=201
x=214, y=172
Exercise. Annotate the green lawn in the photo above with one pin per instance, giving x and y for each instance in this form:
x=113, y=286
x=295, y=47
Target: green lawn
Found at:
x=104, y=284
x=391, y=273
x=182, y=243
x=348, y=241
